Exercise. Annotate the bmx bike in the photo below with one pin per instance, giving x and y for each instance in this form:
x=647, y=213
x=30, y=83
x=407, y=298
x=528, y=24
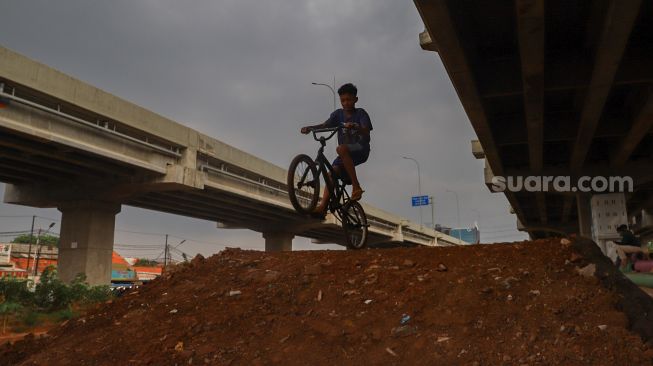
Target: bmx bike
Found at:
x=304, y=190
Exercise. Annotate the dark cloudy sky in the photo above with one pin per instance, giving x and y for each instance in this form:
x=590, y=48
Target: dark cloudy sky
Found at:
x=241, y=71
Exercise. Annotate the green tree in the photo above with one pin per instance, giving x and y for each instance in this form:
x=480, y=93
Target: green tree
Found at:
x=49, y=240
x=144, y=262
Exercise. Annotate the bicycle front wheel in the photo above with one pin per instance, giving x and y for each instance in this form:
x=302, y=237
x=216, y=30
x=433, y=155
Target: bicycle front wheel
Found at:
x=354, y=222
x=303, y=184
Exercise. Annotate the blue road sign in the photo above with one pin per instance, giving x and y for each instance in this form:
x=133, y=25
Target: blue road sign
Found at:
x=420, y=200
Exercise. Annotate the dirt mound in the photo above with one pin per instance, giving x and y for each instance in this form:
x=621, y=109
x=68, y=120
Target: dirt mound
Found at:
x=523, y=303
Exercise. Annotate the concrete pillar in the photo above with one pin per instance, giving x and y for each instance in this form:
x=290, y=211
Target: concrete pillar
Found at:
x=278, y=241
x=583, y=204
x=87, y=229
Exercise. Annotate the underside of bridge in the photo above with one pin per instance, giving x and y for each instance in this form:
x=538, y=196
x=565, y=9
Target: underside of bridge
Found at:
x=552, y=88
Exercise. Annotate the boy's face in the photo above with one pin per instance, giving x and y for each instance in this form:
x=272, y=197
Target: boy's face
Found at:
x=348, y=101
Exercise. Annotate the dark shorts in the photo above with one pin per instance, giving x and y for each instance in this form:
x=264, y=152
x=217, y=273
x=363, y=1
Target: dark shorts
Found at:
x=358, y=152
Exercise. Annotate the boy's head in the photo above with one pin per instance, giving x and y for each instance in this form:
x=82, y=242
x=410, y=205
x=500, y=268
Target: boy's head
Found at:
x=348, y=96
x=622, y=228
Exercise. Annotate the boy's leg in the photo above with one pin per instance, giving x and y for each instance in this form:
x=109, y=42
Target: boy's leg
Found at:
x=348, y=163
x=322, y=206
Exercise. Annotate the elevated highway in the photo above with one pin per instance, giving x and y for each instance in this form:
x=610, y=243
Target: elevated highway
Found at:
x=69, y=145
x=553, y=88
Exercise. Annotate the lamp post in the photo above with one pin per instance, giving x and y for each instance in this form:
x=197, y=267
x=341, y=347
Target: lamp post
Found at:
x=419, y=186
x=333, y=91
x=458, y=210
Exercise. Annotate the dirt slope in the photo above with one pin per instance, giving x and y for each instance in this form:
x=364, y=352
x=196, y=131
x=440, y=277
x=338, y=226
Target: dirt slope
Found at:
x=512, y=304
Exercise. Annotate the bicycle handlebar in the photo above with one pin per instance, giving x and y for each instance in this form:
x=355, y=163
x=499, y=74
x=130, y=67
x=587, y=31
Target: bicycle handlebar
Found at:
x=333, y=131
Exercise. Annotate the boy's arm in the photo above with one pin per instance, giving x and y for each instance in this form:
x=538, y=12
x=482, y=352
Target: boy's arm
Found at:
x=307, y=129
x=365, y=125
x=331, y=122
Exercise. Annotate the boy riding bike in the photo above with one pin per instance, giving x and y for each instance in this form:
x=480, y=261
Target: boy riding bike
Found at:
x=353, y=141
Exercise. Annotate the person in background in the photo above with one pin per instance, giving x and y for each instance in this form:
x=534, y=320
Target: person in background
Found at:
x=628, y=244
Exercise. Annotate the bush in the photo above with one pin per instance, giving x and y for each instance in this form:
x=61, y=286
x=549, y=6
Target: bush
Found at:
x=6, y=309
x=52, y=294
x=16, y=290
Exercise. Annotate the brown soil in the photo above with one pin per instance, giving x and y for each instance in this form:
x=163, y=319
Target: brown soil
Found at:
x=522, y=303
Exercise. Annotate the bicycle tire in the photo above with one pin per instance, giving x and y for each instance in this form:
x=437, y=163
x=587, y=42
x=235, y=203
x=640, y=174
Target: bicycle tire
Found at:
x=354, y=223
x=305, y=202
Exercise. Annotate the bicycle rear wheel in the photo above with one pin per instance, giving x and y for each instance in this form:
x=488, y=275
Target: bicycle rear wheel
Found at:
x=303, y=184
x=354, y=222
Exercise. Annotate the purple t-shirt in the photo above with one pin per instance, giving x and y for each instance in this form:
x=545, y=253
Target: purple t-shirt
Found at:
x=359, y=116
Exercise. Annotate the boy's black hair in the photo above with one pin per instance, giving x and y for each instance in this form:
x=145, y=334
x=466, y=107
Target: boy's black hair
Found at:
x=622, y=227
x=348, y=88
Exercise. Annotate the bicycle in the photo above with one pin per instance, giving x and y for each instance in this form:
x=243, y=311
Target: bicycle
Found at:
x=304, y=191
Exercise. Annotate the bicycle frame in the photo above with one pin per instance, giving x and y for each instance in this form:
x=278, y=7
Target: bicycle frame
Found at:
x=338, y=194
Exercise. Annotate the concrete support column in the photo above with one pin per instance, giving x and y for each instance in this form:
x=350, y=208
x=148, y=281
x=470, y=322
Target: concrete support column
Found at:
x=87, y=229
x=583, y=204
x=278, y=241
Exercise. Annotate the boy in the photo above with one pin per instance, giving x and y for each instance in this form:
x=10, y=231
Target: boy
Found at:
x=353, y=140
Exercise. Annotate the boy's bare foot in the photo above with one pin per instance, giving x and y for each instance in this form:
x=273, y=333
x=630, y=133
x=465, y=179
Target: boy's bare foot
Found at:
x=357, y=193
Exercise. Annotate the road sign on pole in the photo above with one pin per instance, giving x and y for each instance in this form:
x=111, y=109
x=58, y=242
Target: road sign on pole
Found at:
x=420, y=201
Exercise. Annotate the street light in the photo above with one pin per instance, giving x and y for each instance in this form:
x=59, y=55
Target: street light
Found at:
x=332, y=91
x=419, y=186
x=458, y=209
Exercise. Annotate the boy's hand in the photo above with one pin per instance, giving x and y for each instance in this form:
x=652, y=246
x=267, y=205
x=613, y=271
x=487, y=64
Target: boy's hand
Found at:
x=305, y=130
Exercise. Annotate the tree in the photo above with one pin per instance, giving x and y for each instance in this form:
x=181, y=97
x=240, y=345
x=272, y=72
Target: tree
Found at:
x=144, y=262
x=49, y=240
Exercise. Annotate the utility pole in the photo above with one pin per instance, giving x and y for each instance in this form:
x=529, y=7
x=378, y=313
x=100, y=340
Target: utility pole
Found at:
x=31, y=237
x=38, y=249
x=38, y=240
x=165, y=254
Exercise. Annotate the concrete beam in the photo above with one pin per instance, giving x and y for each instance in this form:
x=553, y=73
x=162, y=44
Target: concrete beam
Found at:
x=530, y=31
x=619, y=21
x=86, y=245
x=426, y=42
x=278, y=241
x=440, y=26
x=584, y=215
x=47, y=128
x=641, y=127
x=477, y=150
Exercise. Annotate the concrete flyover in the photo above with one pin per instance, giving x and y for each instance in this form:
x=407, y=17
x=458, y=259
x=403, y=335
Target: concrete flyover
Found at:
x=69, y=145
x=553, y=88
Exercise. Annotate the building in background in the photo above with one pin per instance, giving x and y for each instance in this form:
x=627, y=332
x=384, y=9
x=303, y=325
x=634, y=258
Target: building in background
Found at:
x=469, y=235
x=608, y=212
x=7, y=267
x=19, y=260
